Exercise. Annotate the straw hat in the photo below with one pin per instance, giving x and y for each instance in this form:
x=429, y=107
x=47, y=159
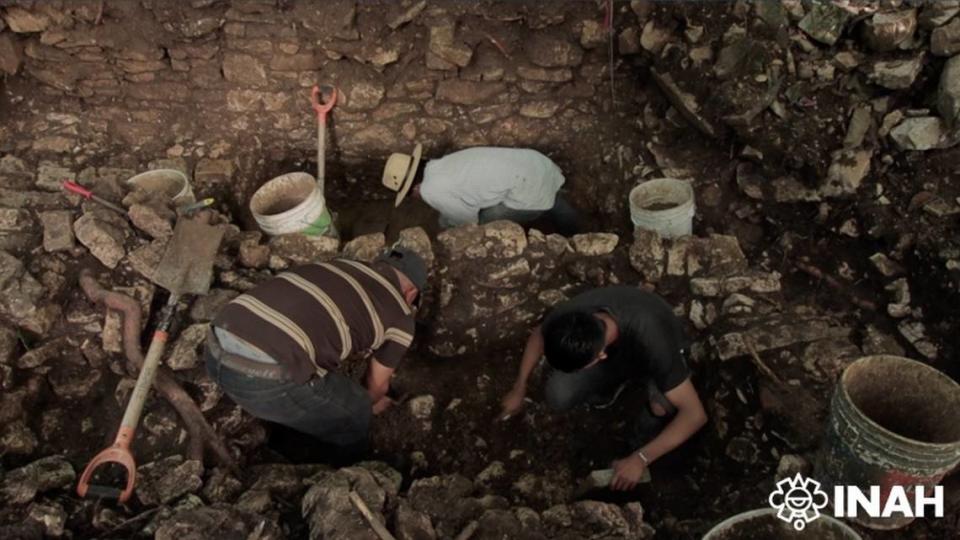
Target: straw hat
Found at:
x=399, y=172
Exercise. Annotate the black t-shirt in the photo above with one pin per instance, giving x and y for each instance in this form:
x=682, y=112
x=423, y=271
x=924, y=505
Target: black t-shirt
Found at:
x=651, y=339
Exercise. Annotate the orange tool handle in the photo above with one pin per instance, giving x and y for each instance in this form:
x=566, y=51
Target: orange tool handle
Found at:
x=78, y=189
x=322, y=108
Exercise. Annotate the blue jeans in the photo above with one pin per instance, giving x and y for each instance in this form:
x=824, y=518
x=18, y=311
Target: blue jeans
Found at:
x=333, y=408
x=563, y=216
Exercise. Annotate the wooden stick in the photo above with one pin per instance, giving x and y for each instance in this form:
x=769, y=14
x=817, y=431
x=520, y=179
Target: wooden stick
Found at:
x=374, y=523
x=468, y=531
x=835, y=284
x=764, y=368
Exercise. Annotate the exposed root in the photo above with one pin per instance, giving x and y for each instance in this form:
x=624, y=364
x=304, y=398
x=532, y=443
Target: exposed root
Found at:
x=817, y=273
x=201, y=434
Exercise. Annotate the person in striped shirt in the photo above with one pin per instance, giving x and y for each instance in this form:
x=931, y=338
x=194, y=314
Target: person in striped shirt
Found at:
x=280, y=350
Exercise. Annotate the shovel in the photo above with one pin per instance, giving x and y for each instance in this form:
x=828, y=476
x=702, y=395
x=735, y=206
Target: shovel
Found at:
x=329, y=94
x=186, y=268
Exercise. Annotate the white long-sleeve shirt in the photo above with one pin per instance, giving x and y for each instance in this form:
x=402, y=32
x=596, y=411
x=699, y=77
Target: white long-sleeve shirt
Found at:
x=461, y=184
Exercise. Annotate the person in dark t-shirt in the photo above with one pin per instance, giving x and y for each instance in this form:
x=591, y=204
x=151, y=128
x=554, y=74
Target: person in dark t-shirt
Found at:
x=597, y=341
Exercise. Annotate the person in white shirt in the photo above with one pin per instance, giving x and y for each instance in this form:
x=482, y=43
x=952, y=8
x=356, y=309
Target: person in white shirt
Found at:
x=484, y=184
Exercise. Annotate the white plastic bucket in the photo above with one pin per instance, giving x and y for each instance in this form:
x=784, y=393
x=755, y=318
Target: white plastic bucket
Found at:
x=751, y=524
x=291, y=203
x=664, y=205
x=170, y=183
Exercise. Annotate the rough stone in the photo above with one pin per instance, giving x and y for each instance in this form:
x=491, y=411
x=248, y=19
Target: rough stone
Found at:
x=51, y=177
x=628, y=42
x=51, y=516
x=846, y=172
x=365, y=248
x=162, y=481
x=417, y=240
x=540, y=74
x=144, y=259
x=216, y=522
x=948, y=92
x=945, y=40
x=103, y=239
x=364, y=95
x=920, y=133
x=298, y=248
x=647, y=254
x=21, y=485
x=595, y=244
x=58, y=230
x=21, y=297
x=888, y=30
x=153, y=220
x=244, y=70
x=824, y=22
x=504, y=239
x=550, y=51
x=774, y=333
x=253, y=254
x=206, y=307
x=17, y=439
x=758, y=282
x=11, y=54
x=592, y=34
x=327, y=509
x=72, y=381
x=23, y=21
x=685, y=102
x=408, y=15
x=468, y=92
x=896, y=74
x=213, y=171
x=184, y=355
x=413, y=525
x=444, y=44
x=936, y=14
x=916, y=334
x=655, y=37
x=539, y=109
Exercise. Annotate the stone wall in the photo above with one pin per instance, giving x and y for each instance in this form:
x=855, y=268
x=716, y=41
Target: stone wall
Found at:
x=225, y=86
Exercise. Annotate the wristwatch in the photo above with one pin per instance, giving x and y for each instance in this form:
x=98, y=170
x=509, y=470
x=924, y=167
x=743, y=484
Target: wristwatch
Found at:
x=641, y=455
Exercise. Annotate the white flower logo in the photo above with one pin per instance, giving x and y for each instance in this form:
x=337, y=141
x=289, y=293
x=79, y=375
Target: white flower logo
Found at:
x=798, y=500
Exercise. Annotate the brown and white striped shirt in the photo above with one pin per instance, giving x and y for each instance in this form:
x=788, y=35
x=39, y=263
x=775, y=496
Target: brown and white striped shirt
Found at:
x=313, y=317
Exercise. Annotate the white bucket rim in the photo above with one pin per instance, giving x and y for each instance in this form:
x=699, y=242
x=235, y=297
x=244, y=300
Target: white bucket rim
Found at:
x=184, y=191
x=762, y=512
x=687, y=186
x=312, y=199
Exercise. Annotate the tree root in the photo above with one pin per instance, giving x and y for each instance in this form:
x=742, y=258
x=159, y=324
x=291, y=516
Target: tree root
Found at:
x=200, y=432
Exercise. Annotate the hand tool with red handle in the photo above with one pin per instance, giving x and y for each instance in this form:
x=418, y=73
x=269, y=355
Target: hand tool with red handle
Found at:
x=74, y=187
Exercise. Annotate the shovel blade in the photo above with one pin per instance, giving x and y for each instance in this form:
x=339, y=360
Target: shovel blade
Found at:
x=187, y=264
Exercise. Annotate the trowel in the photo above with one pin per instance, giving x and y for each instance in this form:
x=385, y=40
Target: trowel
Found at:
x=597, y=483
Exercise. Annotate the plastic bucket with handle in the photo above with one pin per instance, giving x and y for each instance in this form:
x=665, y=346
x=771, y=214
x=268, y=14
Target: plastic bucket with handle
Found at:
x=171, y=184
x=291, y=203
x=664, y=205
x=893, y=423
x=765, y=524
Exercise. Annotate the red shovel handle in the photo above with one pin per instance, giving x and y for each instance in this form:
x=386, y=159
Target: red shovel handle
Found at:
x=78, y=189
x=118, y=453
x=323, y=108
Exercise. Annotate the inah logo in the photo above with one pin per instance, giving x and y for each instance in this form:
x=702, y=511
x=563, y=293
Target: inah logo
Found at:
x=798, y=500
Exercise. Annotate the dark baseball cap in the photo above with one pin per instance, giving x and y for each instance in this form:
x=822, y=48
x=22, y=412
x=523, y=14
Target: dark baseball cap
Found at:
x=408, y=262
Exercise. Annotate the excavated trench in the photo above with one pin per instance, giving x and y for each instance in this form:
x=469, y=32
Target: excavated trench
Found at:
x=220, y=91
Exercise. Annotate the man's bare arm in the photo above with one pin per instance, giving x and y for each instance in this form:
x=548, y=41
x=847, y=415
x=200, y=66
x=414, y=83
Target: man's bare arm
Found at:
x=689, y=419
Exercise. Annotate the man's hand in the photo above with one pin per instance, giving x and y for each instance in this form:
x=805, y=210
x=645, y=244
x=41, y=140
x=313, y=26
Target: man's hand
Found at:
x=627, y=472
x=383, y=404
x=512, y=402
